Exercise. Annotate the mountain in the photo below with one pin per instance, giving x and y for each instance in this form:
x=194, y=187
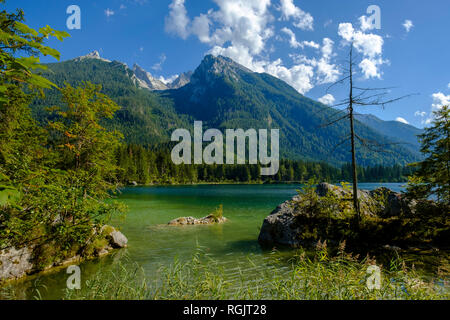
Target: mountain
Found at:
x=224, y=95
x=150, y=82
x=182, y=80
x=396, y=130
x=145, y=116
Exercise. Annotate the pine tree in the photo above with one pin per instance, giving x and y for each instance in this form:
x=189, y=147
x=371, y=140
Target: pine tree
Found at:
x=433, y=174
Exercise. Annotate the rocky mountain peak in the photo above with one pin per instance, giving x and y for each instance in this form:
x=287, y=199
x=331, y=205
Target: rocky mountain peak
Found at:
x=146, y=77
x=213, y=66
x=93, y=55
x=182, y=80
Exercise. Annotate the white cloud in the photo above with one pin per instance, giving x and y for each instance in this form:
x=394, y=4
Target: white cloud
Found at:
x=109, y=12
x=158, y=66
x=402, y=120
x=368, y=44
x=241, y=29
x=302, y=19
x=177, y=22
x=448, y=86
x=327, y=72
x=168, y=80
x=419, y=113
x=295, y=44
x=327, y=99
x=366, y=23
x=439, y=100
x=299, y=76
x=200, y=27
x=408, y=25
x=122, y=7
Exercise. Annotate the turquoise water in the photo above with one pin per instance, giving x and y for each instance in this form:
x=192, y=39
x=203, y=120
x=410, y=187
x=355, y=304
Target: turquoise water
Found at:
x=152, y=243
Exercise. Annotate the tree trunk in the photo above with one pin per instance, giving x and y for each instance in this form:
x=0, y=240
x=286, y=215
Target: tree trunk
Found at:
x=352, y=133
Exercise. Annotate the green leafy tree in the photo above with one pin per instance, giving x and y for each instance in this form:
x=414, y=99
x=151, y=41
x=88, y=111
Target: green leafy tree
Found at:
x=21, y=139
x=83, y=145
x=53, y=181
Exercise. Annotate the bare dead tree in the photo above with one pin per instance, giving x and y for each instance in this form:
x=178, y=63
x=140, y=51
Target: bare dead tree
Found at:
x=358, y=96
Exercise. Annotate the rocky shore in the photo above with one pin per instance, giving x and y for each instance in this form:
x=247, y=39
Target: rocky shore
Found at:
x=325, y=213
x=16, y=263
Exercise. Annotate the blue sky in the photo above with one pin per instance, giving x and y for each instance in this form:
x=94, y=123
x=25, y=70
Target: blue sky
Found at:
x=303, y=42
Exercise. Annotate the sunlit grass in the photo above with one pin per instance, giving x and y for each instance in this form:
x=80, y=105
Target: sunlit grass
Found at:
x=314, y=278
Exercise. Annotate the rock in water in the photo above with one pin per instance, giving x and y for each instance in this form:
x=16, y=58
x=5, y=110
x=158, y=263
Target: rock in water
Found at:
x=193, y=221
x=118, y=240
x=304, y=220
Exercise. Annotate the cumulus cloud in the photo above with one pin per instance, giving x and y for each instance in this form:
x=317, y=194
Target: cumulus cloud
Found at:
x=448, y=86
x=366, y=23
x=440, y=100
x=302, y=19
x=419, y=113
x=241, y=29
x=408, y=25
x=177, y=22
x=402, y=120
x=200, y=28
x=368, y=44
x=327, y=99
x=109, y=12
x=295, y=44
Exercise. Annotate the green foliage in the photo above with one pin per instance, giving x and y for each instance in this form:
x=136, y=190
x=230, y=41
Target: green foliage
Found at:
x=433, y=174
x=84, y=147
x=144, y=118
x=217, y=214
x=332, y=218
x=54, y=179
x=316, y=277
x=17, y=37
x=154, y=166
x=236, y=99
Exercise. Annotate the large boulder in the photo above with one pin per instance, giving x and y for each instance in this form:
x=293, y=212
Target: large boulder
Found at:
x=15, y=263
x=280, y=227
x=116, y=238
x=290, y=224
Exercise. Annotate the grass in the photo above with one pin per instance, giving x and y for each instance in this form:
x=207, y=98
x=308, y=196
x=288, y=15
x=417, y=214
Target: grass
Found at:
x=342, y=277
x=217, y=214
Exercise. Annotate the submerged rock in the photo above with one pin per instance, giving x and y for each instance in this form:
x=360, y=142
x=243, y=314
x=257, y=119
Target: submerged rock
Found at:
x=210, y=219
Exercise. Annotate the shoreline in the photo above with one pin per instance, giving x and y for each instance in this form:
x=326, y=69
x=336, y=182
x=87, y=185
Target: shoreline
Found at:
x=236, y=183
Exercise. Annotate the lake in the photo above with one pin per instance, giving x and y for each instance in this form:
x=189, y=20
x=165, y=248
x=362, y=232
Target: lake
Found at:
x=152, y=243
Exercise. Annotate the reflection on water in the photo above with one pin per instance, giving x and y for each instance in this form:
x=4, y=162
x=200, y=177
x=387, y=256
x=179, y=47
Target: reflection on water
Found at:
x=153, y=244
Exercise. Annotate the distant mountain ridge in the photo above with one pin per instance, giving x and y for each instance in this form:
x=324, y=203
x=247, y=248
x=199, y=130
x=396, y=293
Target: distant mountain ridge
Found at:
x=224, y=95
x=394, y=129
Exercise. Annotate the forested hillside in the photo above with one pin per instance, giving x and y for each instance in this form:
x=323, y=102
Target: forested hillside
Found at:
x=224, y=95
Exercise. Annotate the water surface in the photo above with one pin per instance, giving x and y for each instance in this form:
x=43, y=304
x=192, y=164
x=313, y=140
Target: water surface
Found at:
x=153, y=244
